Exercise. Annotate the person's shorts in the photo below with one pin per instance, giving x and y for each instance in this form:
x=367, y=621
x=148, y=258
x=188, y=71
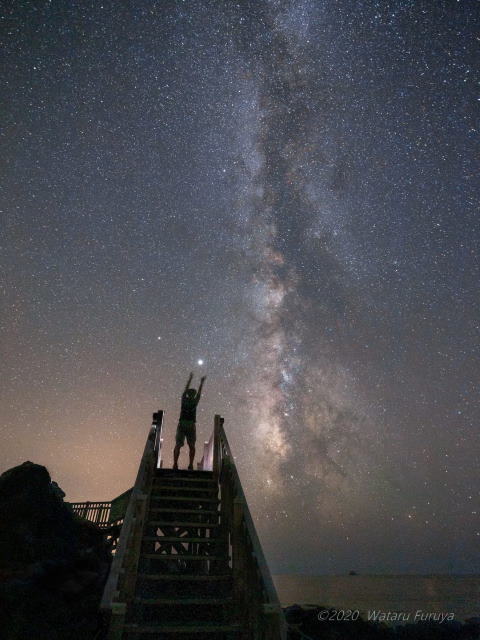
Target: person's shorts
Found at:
x=186, y=429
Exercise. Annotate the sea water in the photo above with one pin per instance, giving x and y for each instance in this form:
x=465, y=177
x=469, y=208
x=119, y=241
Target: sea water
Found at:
x=407, y=594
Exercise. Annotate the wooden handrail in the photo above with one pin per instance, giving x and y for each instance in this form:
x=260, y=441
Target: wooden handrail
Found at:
x=113, y=599
x=157, y=447
x=256, y=598
x=206, y=463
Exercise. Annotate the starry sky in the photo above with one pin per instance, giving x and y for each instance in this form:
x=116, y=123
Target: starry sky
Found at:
x=286, y=190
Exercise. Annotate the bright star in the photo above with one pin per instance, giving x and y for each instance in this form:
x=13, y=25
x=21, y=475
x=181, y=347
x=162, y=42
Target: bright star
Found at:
x=200, y=362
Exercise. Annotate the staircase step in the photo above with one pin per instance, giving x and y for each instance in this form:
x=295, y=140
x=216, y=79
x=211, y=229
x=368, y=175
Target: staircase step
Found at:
x=184, y=473
x=186, y=525
x=185, y=482
x=178, y=539
x=187, y=583
x=183, y=601
x=184, y=498
x=174, y=510
x=173, y=628
x=185, y=577
x=171, y=487
x=181, y=556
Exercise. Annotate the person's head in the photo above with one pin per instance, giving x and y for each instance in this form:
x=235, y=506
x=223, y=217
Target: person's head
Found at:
x=191, y=393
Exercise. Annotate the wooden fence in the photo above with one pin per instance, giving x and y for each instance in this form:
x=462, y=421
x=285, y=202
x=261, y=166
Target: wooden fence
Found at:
x=96, y=512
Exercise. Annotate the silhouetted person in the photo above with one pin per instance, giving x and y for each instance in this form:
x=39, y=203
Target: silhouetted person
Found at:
x=186, y=424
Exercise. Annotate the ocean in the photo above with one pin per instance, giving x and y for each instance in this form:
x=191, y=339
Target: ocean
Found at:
x=459, y=595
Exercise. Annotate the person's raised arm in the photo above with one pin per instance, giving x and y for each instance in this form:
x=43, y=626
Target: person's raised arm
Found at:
x=199, y=392
x=187, y=386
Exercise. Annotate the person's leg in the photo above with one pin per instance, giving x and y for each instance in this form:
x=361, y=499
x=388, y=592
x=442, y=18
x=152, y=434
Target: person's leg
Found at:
x=179, y=442
x=192, y=456
x=191, y=439
x=176, y=453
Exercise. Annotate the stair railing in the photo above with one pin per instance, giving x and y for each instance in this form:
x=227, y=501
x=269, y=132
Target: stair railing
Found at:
x=256, y=601
x=120, y=585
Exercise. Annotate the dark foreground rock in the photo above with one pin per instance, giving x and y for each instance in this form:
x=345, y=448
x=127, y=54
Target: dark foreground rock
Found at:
x=304, y=623
x=52, y=564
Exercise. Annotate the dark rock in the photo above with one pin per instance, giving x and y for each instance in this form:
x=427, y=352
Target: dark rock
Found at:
x=35, y=523
x=294, y=614
x=475, y=621
x=52, y=564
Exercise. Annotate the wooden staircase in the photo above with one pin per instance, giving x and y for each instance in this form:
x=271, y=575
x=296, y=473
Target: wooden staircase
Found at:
x=175, y=575
x=184, y=575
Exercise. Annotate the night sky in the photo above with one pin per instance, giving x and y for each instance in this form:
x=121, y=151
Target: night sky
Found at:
x=285, y=190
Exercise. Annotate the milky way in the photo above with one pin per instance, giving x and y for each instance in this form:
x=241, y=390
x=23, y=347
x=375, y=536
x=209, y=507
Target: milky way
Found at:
x=284, y=190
